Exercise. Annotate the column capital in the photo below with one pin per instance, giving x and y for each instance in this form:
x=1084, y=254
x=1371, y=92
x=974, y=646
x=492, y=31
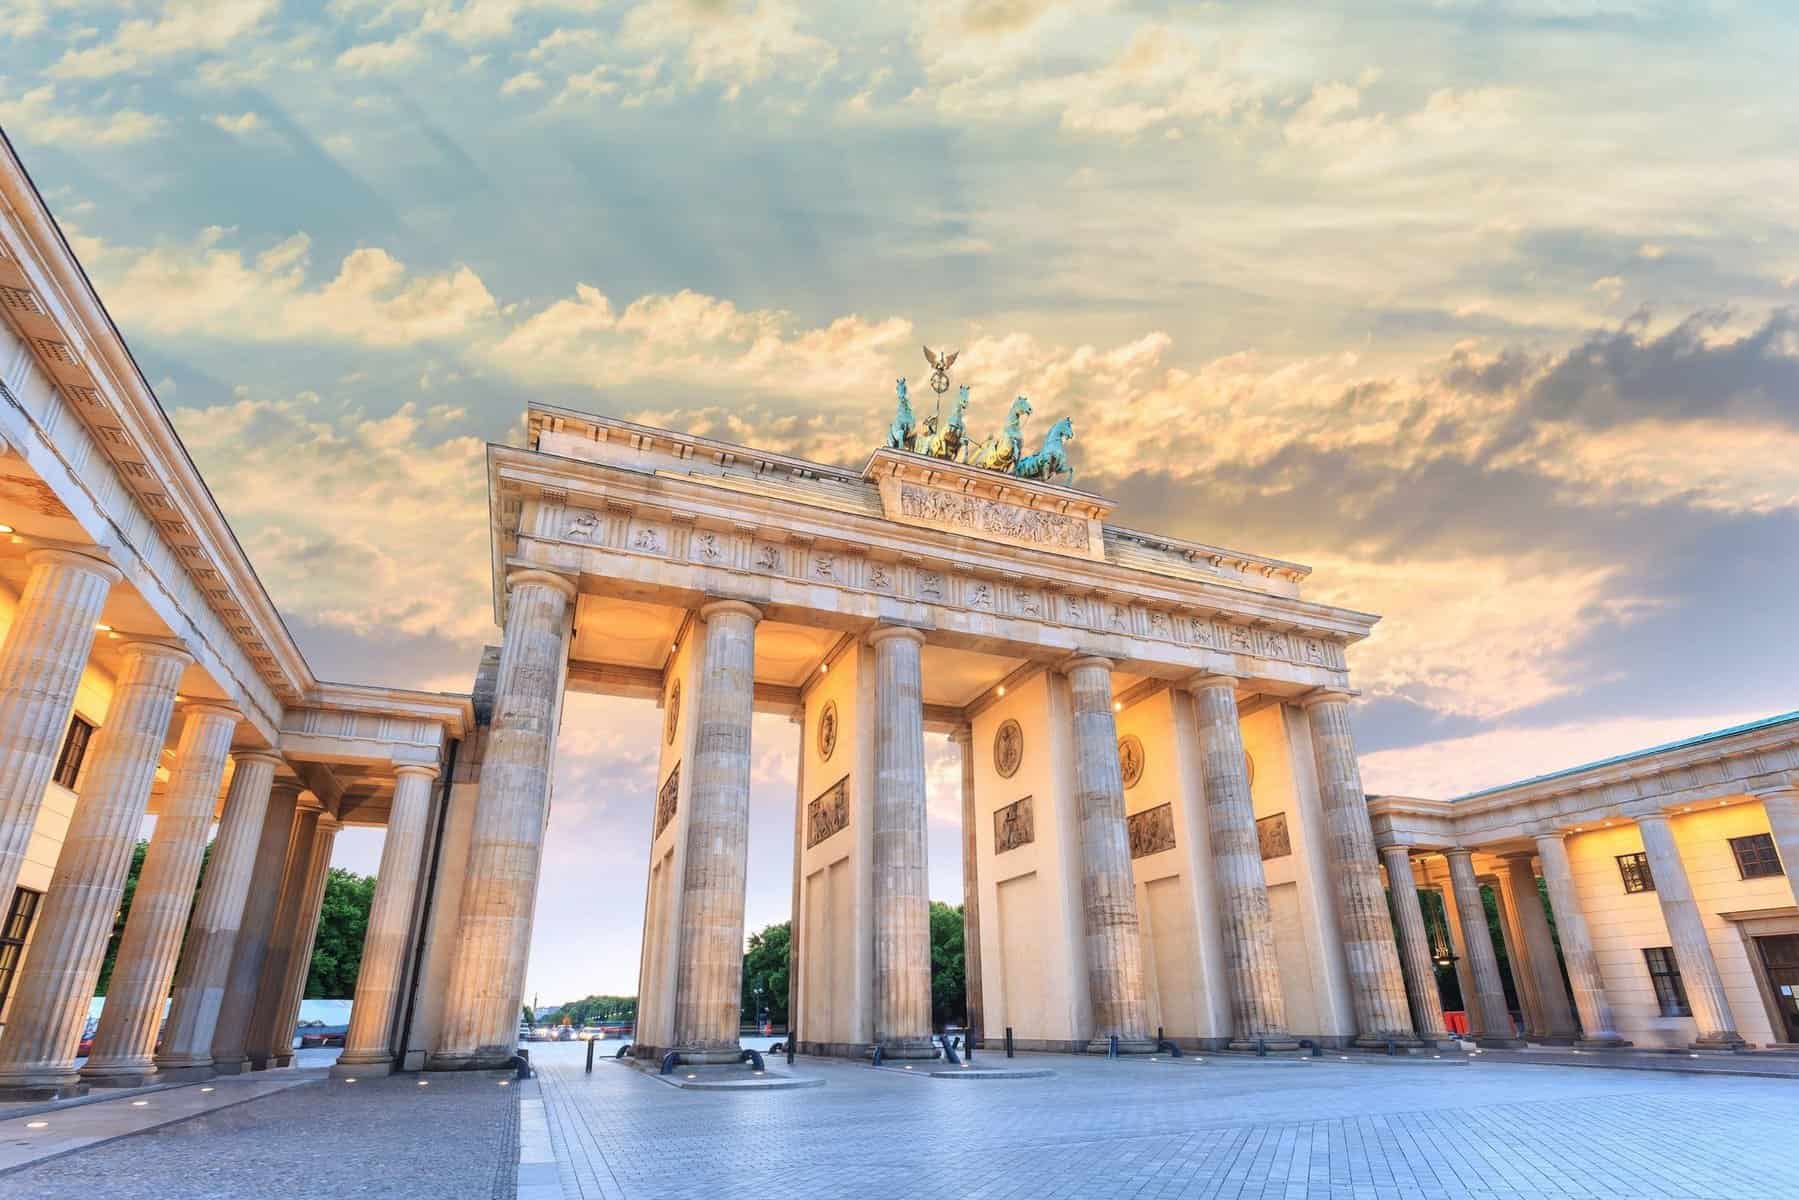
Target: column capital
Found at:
x=241, y=757
x=882, y=633
x=210, y=708
x=1209, y=680
x=75, y=559
x=549, y=579
x=1083, y=661
x=1463, y=852
x=962, y=735
x=742, y=608
x=153, y=649
x=427, y=770
x=1785, y=791
x=1327, y=696
x=1654, y=816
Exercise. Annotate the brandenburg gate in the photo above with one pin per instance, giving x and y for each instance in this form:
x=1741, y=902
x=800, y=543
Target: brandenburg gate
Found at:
x=1164, y=823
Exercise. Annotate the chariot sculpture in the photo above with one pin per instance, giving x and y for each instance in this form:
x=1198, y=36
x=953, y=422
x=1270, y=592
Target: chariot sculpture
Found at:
x=1004, y=452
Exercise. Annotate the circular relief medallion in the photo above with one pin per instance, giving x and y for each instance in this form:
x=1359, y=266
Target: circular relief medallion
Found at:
x=1249, y=768
x=1008, y=748
x=827, y=730
x=673, y=718
x=1130, y=759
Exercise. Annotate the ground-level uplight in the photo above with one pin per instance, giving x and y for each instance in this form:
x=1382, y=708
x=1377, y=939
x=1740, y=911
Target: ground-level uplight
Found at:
x=208, y=1089
x=37, y=1124
x=140, y=1104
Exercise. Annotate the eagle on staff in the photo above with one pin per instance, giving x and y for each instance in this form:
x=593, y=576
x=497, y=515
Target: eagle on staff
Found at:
x=940, y=365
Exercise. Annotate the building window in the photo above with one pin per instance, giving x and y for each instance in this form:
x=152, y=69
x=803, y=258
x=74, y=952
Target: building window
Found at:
x=74, y=750
x=1634, y=868
x=1756, y=855
x=1664, y=973
x=13, y=935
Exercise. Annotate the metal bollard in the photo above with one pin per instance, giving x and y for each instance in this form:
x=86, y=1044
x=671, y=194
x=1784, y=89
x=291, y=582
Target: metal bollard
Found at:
x=968, y=1042
x=792, y=1037
x=1112, y=1046
x=949, y=1051
x=590, y=1056
x=1167, y=1047
x=669, y=1062
x=754, y=1058
x=877, y=1061
x=1008, y=1041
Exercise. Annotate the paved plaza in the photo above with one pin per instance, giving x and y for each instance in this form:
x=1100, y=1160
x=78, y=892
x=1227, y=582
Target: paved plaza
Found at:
x=1219, y=1127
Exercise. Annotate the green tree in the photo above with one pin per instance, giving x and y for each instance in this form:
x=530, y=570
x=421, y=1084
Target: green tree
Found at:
x=949, y=990
x=337, y=950
x=595, y=1010
x=118, y=923
x=765, y=974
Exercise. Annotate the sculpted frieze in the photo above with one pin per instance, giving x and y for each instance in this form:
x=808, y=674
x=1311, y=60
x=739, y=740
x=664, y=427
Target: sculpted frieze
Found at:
x=619, y=529
x=993, y=518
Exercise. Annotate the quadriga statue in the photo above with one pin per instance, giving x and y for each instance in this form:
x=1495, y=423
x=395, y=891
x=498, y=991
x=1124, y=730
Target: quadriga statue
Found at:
x=1003, y=452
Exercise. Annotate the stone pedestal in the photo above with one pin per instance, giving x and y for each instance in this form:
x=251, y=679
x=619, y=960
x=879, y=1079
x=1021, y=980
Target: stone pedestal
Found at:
x=125, y=1043
x=1598, y=1028
x=481, y=1008
x=1258, y=1005
x=1414, y=946
x=264, y=1041
x=709, y=970
x=1686, y=931
x=1553, y=1013
x=1108, y=889
x=902, y=902
x=1489, y=988
x=41, y=661
x=43, y=1030
x=249, y=948
x=1364, y=923
x=368, y=1046
x=200, y=978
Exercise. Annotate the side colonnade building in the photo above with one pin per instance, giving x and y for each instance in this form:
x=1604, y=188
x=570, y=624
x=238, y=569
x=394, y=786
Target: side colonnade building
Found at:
x=1667, y=874
x=143, y=670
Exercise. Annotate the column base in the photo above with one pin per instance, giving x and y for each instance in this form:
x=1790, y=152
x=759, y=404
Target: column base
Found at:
x=374, y=1068
x=700, y=1056
x=1719, y=1041
x=1500, y=1043
x=194, y=1073
x=491, y=1058
x=1279, y=1044
x=908, y=1048
x=1378, y=1041
x=280, y=1061
x=231, y=1066
x=1126, y=1045
x=1556, y=1039
x=121, y=1075
x=1614, y=1042
x=47, y=1087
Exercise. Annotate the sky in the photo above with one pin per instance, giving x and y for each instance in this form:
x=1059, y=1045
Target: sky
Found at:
x=1481, y=308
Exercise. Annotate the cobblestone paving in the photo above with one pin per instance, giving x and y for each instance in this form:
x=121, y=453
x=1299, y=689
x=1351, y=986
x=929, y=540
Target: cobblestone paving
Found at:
x=456, y=1137
x=1227, y=1129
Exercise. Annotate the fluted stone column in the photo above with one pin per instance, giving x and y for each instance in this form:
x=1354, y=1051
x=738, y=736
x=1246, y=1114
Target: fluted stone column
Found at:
x=125, y=1043
x=963, y=737
x=200, y=979
x=481, y=1011
x=1539, y=950
x=1414, y=946
x=299, y=963
x=1108, y=888
x=1782, y=807
x=1252, y=966
x=262, y=1042
x=1464, y=964
x=1686, y=930
x=709, y=968
x=368, y=1046
x=1366, y=927
x=37, y=1049
x=1517, y=963
x=902, y=899
x=1598, y=1028
x=1489, y=988
x=41, y=661
x=250, y=948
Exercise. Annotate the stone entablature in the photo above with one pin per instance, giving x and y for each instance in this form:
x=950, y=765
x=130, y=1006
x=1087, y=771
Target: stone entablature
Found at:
x=643, y=532
x=1737, y=763
x=952, y=497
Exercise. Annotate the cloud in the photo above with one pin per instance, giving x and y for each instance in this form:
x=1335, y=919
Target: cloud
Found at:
x=242, y=124
x=374, y=58
x=211, y=289
x=181, y=27
x=299, y=476
x=35, y=116
x=524, y=81
x=733, y=43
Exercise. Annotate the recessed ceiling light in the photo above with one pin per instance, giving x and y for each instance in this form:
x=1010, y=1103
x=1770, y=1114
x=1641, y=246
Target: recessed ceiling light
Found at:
x=1117, y=706
x=824, y=668
x=1002, y=690
x=5, y=528
x=103, y=627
